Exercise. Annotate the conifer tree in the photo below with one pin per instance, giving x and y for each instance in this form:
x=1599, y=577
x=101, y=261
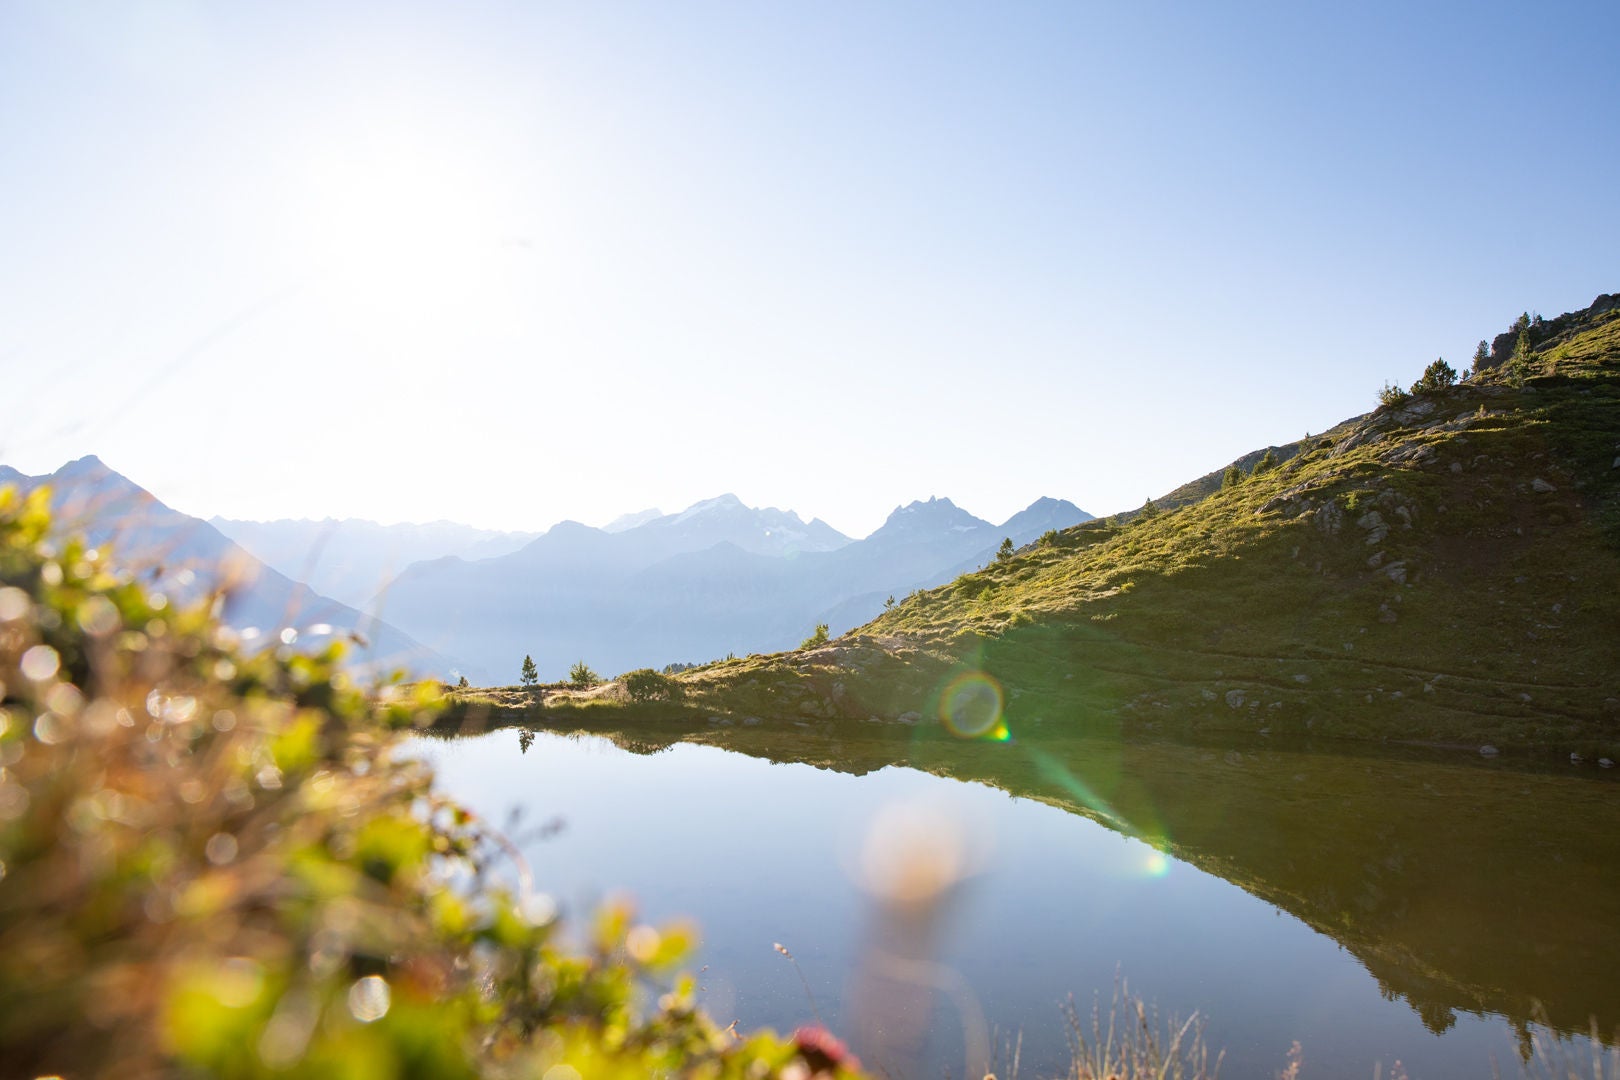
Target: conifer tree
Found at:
x=1437, y=376
x=530, y=674
x=1519, y=366
x=1005, y=551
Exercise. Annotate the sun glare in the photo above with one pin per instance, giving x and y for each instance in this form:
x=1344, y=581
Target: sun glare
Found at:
x=406, y=233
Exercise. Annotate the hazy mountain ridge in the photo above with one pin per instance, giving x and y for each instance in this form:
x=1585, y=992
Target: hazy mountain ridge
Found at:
x=716, y=578
x=351, y=559
x=186, y=558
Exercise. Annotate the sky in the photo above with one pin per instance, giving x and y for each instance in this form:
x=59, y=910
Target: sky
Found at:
x=510, y=264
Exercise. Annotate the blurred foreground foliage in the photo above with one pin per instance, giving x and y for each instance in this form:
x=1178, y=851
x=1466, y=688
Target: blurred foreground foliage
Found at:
x=216, y=862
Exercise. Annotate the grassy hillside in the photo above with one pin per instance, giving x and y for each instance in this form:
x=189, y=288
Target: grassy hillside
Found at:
x=1444, y=569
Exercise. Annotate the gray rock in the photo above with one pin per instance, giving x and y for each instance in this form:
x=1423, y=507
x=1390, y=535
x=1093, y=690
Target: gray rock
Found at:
x=1328, y=518
x=1616, y=464
x=1234, y=699
x=1542, y=486
x=1575, y=759
x=1208, y=695
x=1456, y=466
x=1416, y=410
x=1488, y=751
x=1386, y=614
x=1372, y=519
x=909, y=717
x=1397, y=572
x=750, y=721
x=1302, y=679
x=1375, y=560
x=1605, y=763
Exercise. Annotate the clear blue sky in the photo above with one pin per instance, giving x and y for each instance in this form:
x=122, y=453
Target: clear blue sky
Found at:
x=512, y=263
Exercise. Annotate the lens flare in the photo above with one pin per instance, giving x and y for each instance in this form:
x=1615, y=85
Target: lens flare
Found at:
x=1056, y=772
x=970, y=707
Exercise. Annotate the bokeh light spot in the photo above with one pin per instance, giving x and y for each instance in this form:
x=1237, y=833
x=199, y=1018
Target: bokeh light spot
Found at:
x=369, y=999
x=971, y=705
x=40, y=663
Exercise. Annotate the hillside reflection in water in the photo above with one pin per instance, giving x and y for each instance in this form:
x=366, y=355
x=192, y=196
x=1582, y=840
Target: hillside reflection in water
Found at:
x=1373, y=906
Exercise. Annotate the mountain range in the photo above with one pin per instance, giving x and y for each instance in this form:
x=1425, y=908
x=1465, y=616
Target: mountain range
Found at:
x=716, y=578
x=352, y=560
x=187, y=559
x=649, y=589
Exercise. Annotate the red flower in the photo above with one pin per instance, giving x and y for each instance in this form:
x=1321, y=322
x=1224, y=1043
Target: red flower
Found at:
x=823, y=1051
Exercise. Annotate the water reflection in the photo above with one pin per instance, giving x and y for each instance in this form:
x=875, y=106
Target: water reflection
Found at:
x=1466, y=891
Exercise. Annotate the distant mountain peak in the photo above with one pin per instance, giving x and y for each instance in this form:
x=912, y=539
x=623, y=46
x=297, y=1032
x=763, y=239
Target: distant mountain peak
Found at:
x=1041, y=515
x=90, y=463
x=933, y=506
x=720, y=504
x=937, y=515
x=625, y=522
x=727, y=501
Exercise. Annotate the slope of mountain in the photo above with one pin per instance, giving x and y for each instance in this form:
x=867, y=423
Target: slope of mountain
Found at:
x=351, y=559
x=717, y=578
x=630, y=521
x=1444, y=569
x=188, y=559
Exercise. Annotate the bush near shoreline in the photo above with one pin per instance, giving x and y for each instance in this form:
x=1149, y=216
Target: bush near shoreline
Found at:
x=214, y=862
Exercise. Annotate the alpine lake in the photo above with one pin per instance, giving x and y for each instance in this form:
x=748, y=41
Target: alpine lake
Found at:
x=950, y=904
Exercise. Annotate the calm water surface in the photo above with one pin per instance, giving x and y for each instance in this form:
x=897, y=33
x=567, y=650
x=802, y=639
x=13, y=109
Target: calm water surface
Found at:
x=1053, y=903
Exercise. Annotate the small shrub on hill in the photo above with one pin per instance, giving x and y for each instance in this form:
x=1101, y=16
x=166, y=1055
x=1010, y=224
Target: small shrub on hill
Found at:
x=817, y=639
x=645, y=684
x=581, y=677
